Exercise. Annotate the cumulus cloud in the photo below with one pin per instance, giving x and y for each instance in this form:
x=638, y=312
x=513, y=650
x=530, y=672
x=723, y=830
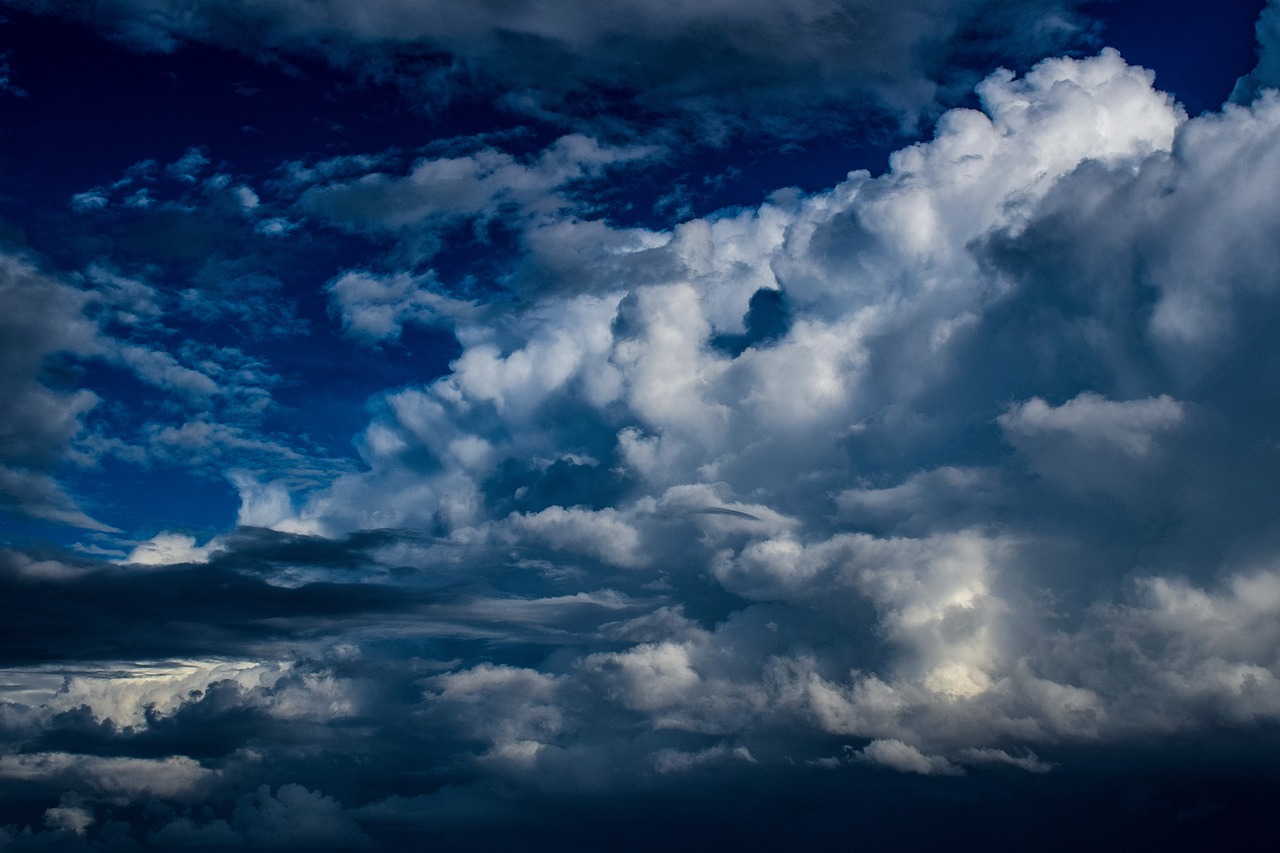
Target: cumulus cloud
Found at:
x=660, y=402
x=909, y=334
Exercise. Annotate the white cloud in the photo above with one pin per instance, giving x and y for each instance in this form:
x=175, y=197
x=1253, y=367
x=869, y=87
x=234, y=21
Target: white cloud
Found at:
x=766, y=414
x=1095, y=424
x=602, y=534
x=648, y=677
x=905, y=758
x=375, y=308
x=169, y=548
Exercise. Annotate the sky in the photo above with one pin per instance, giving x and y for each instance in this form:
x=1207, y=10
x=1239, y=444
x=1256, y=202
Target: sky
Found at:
x=539, y=425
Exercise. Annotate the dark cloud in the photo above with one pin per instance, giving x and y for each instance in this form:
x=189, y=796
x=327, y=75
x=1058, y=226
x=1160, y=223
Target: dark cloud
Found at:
x=724, y=61
x=62, y=608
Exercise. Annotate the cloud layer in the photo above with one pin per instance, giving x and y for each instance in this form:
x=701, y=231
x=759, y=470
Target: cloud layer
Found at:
x=719, y=58
x=909, y=490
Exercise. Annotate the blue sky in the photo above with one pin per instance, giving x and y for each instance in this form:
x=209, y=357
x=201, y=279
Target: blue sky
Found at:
x=746, y=423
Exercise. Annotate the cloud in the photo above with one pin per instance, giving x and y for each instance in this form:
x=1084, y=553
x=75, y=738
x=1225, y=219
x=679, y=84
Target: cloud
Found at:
x=659, y=402
x=1094, y=424
x=165, y=549
x=188, y=167
x=40, y=407
x=70, y=816
x=1093, y=444
x=128, y=777
x=38, y=495
x=937, y=471
x=674, y=761
x=928, y=318
x=1028, y=762
x=699, y=58
x=375, y=308
x=7, y=86
x=256, y=596
x=905, y=758
x=477, y=185
x=295, y=816
x=1267, y=73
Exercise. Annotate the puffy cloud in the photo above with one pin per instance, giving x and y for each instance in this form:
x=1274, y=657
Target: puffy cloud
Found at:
x=911, y=319
x=867, y=269
x=376, y=308
x=522, y=713
x=1091, y=424
x=601, y=534
x=905, y=758
x=168, y=548
x=1184, y=655
x=648, y=677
